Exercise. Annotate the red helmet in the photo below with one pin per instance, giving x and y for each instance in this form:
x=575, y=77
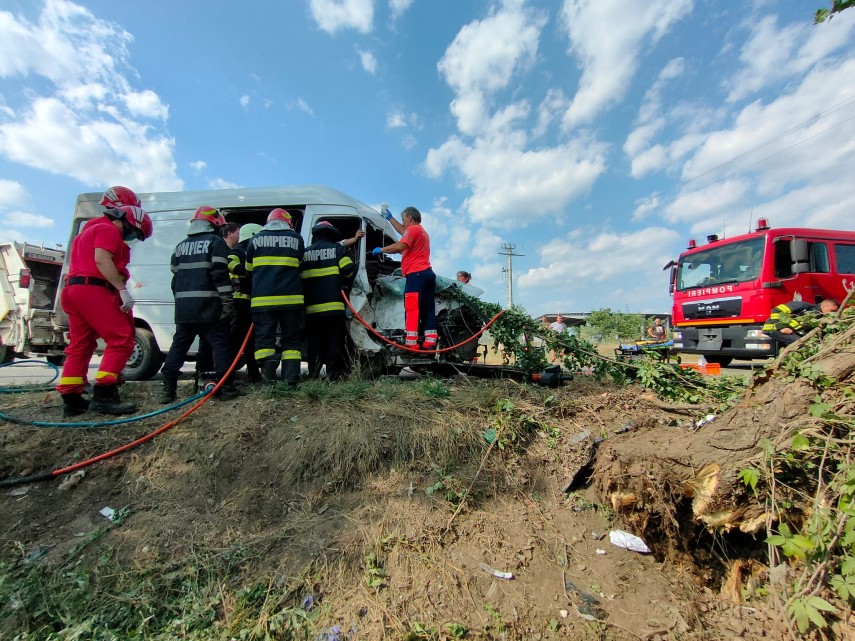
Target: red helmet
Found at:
x=136, y=218
x=280, y=214
x=118, y=196
x=211, y=215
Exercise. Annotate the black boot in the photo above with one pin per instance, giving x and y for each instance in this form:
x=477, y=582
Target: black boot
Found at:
x=169, y=394
x=74, y=405
x=105, y=400
x=291, y=372
x=268, y=370
x=228, y=392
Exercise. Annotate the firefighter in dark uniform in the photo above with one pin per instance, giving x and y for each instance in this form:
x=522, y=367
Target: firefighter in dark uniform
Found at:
x=326, y=270
x=273, y=257
x=203, y=300
x=784, y=325
x=242, y=290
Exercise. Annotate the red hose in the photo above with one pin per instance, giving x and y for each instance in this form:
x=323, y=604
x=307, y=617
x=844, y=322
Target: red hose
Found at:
x=414, y=349
x=162, y=428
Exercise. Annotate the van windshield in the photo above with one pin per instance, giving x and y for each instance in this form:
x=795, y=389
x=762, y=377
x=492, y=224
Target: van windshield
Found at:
x=722, y=263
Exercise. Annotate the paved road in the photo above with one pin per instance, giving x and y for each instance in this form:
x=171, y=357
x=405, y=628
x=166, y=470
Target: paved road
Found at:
x=39, y=371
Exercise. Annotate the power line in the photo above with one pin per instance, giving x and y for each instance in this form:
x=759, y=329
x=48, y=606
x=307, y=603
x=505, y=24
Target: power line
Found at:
x=812, y=120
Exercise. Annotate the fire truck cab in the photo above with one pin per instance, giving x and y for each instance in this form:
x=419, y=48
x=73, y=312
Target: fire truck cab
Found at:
x=724, y=290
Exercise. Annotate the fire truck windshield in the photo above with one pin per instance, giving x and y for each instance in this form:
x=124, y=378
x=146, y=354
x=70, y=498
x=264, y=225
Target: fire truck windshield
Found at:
x=722, y=262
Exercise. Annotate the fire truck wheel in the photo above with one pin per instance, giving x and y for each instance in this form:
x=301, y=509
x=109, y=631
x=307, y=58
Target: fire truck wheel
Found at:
x=724, y=361
x=145, y=360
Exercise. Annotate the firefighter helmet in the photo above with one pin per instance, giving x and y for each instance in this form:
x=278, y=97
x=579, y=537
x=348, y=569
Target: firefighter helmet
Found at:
x=118, y=196
x=280, y=214
x=248, y=231
x=326, y=228
x=137, y=219
x=210, y=215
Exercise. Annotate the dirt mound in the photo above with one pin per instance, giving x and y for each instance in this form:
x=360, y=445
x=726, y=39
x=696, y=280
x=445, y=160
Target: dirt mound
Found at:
x=391, y=510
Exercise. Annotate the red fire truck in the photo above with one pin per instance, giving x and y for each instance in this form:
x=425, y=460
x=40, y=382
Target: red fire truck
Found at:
x=724, y=290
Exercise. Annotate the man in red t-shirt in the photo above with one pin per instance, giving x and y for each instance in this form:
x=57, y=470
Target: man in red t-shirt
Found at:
x=98, y=304
x=414, y=246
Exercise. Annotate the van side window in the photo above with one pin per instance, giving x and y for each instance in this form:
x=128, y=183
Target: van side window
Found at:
x=818, y=253
x=845, y=258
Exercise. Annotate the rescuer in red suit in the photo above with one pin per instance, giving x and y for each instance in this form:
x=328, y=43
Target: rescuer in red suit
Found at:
x=98, y=304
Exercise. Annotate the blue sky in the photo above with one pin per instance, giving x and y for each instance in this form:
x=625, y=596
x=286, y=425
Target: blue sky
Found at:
x=596, y=136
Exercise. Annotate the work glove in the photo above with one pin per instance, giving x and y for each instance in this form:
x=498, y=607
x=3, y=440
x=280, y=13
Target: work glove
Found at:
x=376, y=252
x=227, y=313
x=127, y=300
x=384, y=211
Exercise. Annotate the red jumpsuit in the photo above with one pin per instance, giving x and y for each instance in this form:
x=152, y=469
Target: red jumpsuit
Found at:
x=93, y=309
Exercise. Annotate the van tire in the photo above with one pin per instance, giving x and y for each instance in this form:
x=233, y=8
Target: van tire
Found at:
x=145, y=360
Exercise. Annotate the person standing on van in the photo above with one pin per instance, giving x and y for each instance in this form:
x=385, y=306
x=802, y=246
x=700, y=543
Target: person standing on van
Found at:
x=203, y=301
x=273, y=257
x=242, y=291
x=98, y=304
x=420, y=286
x=326, y=270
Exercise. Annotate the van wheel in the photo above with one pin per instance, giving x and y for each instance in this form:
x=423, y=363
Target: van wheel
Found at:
x=145, y=360
x=55, y=359
x=724, y=361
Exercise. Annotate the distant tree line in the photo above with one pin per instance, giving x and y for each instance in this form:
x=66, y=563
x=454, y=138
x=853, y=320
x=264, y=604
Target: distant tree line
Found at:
x=607, y=325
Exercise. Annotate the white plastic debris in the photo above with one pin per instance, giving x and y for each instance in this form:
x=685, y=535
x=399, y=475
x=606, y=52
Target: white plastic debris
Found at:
x=628, y=541
x=601, y=552
x=108, y=513
x=709, y=418
x=20, y=491
x=497, y=573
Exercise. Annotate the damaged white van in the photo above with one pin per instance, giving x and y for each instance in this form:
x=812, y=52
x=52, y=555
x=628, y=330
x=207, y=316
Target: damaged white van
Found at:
x=377, y=294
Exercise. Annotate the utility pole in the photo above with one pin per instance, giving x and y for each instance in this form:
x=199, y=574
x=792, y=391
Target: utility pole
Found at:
x=508, y=250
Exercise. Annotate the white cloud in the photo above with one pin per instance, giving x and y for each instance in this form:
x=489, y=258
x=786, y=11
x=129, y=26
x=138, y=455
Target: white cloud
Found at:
x=303, y=106
x=220, y=183
x=773, y=54
x=146, y=104
x=53, y=137
x=85, y=124
x=608, y=36
x=399, y=7
x=395, y=119
x=587, y=257
x=244, y=101
x=483, y=58
x=368, y=61
x=507, y=180
x=12, y=194
x=334, y=15
x=198, y=166
x=25, y=219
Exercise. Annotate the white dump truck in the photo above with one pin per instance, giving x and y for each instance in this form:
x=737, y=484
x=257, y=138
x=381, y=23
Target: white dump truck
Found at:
x=377, y=293
x=29, y=280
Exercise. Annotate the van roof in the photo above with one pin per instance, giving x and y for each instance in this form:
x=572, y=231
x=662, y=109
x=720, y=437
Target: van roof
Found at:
x=250, y=197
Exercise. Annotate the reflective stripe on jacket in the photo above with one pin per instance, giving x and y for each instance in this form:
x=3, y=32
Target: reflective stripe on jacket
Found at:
x=326, y=269
x=200, y=274
x=241, y=280
x=273, y=259
x=786, y=316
